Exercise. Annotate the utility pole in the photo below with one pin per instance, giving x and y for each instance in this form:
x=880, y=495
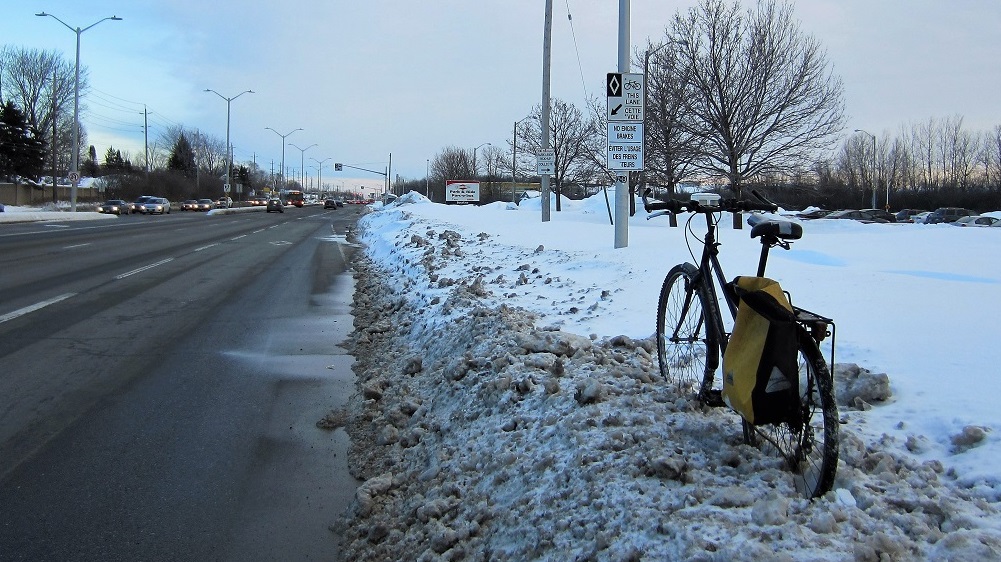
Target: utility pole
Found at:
x=547, y=39
x=622, y=178
x=53, y=148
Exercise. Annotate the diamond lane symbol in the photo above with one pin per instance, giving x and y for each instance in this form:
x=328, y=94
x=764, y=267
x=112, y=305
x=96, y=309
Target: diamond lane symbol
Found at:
x=614, y=85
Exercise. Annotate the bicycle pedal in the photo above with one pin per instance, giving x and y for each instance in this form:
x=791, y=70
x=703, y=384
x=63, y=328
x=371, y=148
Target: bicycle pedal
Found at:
x=713, y=399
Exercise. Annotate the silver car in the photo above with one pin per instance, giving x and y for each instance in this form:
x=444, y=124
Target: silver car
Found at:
x=155, y=206
x=114, y=206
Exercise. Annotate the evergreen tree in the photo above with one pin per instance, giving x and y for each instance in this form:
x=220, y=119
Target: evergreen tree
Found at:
x=22, y=151
x=182, y=157
x=113, y=162
x=90, y=167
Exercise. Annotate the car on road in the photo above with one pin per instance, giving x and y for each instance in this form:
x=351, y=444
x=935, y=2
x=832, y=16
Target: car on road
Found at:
x=224, y=203
x=114, y=206
x=134, y=206
x=329, y=204
x=155, y=206
x=204, y=205
x=189, y=205
x=947, y=214
x=275, y=205
x=259, y=201
x=975, y=220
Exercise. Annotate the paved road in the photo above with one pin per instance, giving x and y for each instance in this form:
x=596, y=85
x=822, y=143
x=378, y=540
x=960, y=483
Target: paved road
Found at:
x=160, y=380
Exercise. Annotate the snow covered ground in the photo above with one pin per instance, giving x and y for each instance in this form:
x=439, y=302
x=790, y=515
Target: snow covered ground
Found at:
x=510, y=407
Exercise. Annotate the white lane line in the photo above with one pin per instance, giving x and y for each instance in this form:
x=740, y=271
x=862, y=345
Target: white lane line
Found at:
x=238, y=237
x=144, y=268
x=206, y=247
x=34, y=307
x=76, y=246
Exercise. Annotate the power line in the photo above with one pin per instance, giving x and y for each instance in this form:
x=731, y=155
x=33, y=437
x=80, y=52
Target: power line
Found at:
x=576, y=50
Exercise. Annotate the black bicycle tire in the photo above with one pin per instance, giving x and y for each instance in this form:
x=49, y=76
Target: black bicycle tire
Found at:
x=817, y=471
x=689, y=363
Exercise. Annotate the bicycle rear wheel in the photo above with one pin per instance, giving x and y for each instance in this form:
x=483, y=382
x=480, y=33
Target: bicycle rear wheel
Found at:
x=810, y=445
x=687, y=346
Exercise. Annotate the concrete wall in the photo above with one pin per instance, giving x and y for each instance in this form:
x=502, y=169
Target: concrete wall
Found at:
x=26, y=195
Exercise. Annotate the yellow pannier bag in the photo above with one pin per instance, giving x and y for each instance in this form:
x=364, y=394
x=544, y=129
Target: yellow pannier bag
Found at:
x=760, y=365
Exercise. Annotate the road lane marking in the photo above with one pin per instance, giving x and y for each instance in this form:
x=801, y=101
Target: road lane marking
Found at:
x=144, y=268
x=238, y=237
x=206, y=247
x=34, y=307
x=76, y=246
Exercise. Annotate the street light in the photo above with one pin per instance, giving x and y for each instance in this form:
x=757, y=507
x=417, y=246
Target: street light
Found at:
x=229, y=151
x=302, y=165
x=283, y=148
x=475, y=170
x=874, y=168
x=75, y=171
x=319, y=173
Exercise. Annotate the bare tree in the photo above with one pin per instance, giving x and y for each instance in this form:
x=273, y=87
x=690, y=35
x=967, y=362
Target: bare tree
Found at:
x=671, y=148
x=756, y=88
x=452, y=163
x=576, y=140
x=42, y=84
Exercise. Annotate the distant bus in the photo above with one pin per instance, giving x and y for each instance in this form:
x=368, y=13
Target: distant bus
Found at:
x=293, y=197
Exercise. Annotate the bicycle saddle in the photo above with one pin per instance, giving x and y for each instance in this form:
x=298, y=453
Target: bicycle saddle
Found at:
x=775, y=228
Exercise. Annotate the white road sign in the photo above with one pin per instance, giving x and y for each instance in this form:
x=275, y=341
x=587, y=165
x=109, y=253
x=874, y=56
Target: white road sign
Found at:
x=545, y=164
x=625, y=146
x=625, y=97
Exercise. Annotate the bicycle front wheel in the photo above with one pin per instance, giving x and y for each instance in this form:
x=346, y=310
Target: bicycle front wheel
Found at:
x=809, y=445
x=687, y=346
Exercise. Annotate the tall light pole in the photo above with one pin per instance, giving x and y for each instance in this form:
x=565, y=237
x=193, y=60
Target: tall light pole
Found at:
x=229, y=150
x=514, y=156
x=283, y=148
x=319, y=173
x=302, y=164
x=75, y=171
x=873, y=137
x=475, y=170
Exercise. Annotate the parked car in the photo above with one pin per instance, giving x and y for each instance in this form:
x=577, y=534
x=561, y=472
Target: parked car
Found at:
x=340, y=202
x=114, y=206
x=975, y=220
x=947, y=214
x=880, y=215
x=861, y=216
x=155, y=206
x=224, y=203
x=134, y=206
x=813, y=213
x=204, y=205
x=329, y=204
x=275, y=205
x=907, y=215
x=189, y=205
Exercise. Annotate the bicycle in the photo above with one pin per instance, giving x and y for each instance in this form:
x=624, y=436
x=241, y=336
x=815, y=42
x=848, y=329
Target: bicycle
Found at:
x=691, y=340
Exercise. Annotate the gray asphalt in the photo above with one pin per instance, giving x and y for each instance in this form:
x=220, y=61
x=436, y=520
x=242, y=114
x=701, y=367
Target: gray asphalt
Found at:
x=189, y=428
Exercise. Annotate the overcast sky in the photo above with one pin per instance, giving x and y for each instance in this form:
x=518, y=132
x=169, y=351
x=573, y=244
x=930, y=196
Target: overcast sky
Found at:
x=366, y=79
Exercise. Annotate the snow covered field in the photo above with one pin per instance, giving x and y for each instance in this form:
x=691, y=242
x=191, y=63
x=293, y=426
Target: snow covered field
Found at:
x=510, y=406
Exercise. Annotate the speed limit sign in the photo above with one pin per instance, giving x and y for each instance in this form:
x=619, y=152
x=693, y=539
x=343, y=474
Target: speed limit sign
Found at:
x=74, y=177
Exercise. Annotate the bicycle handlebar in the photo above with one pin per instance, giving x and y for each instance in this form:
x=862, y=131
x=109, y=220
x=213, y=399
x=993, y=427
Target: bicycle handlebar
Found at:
x=729, y=205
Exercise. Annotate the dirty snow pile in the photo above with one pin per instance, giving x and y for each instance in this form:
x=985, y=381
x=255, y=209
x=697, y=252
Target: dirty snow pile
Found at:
x=509, y=407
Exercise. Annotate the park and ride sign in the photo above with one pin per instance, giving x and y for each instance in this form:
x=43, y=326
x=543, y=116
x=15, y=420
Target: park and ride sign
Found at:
x=625, y=110
x=461, y=191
